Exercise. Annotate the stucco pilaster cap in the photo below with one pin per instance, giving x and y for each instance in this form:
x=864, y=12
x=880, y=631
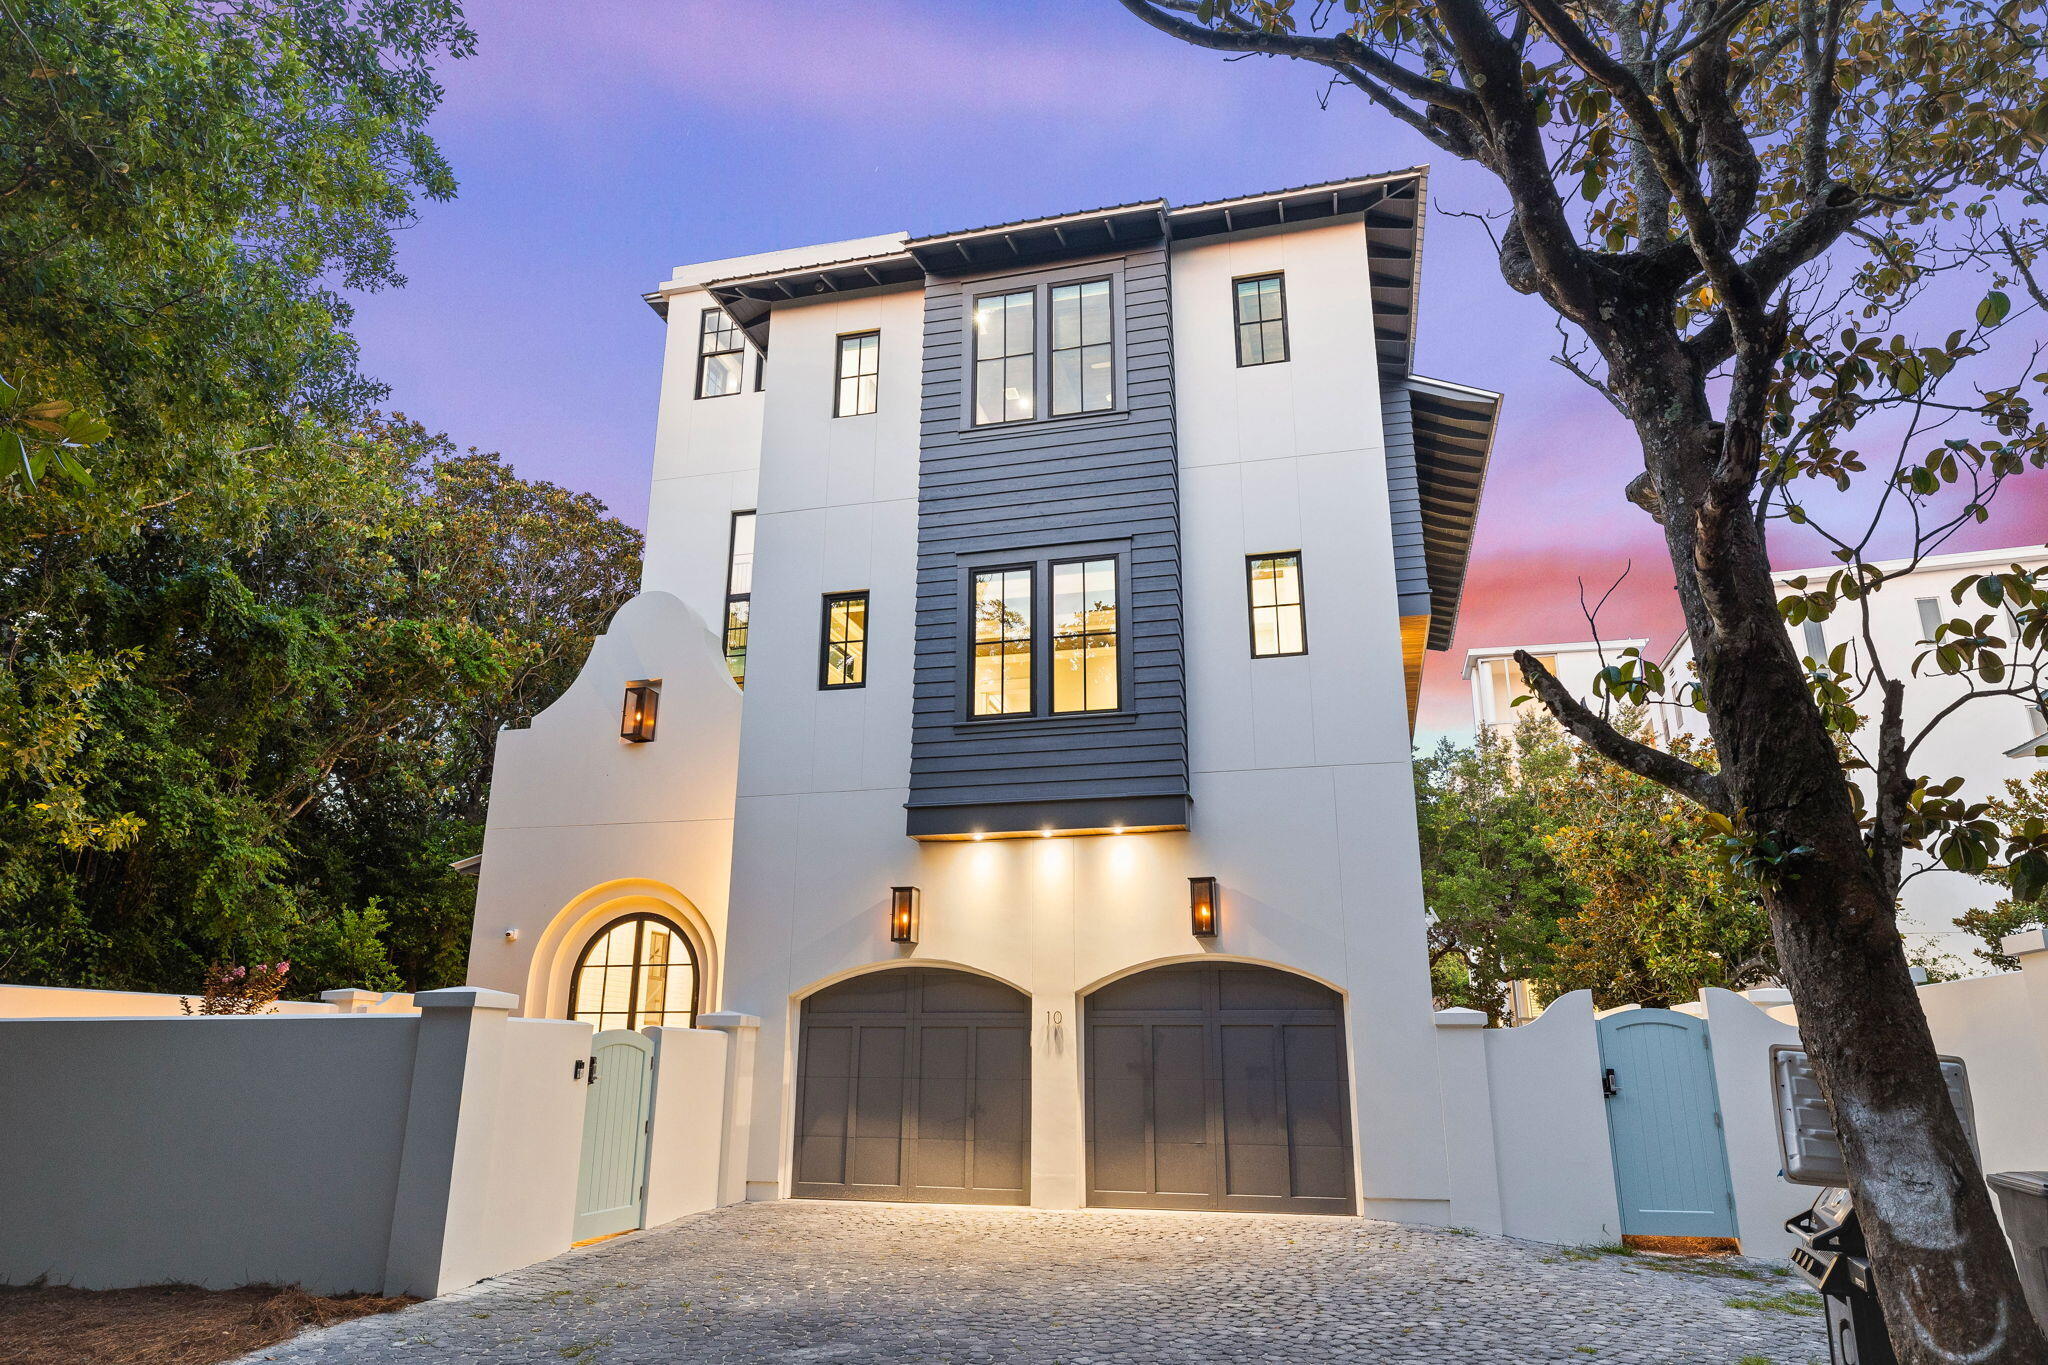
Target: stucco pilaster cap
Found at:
x=1460, y=1018
x=728, y=1019
x=2025, y=941
x=466, y=998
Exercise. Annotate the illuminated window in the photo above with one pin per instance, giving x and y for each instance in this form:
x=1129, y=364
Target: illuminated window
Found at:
x=1005, y=357
x=1278, y=626
x=845, y=662
x=721, y=355
x=1083, y=369
x=636, y=972
x=860, y=364
x=1261, y=321
x=1002, y=642
x=1084, y=674
x=739, y=594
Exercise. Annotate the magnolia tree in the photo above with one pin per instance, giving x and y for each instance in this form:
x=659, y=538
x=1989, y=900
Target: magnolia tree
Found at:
x=1761, y=223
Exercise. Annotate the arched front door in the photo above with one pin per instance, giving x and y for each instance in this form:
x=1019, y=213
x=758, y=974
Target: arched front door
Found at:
x=915, y=1085
x=1218, y=1086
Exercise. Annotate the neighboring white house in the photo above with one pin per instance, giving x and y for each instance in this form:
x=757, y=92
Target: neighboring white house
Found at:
x=1078, y=573
x=1497, y=679
x=1984, y=742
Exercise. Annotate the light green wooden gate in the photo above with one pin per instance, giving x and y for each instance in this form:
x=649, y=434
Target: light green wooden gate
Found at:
x=1664, y=1124
x=613, y=1176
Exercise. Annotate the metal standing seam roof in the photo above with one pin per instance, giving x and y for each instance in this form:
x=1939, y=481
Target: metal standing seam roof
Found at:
x=1454, y=424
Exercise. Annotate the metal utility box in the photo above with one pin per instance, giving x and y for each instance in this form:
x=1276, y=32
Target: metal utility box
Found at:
x=1807, y=1143
x=2023, y=1199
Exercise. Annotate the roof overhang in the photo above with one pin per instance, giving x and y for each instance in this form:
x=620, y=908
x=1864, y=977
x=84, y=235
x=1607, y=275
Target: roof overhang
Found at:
x=749, y=299
x=1454, y=427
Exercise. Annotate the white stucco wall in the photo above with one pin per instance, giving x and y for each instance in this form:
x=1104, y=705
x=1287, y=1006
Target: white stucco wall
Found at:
x=686, y=1127
x=1550, y=1127
x=1304, y=808
x=585, y=827
x=68, y=1002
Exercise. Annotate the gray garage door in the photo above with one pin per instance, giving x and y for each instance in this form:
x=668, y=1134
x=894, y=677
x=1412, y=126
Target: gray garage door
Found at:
x=1218, y=1087
x=915, y=1085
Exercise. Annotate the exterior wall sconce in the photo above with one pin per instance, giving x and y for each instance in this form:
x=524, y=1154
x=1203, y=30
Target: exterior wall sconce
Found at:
x=903, y=914
x=636, y=721
x=1202, y=906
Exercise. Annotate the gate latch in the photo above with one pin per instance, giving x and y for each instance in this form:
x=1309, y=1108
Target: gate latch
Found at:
x=1608, y=1088
x=577, y=1074
x=593, y=1071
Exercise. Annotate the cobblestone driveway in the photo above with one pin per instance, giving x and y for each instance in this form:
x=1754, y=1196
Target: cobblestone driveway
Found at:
x=808, y=1281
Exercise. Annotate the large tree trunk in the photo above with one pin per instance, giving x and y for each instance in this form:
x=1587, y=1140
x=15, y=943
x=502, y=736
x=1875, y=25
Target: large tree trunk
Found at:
x=1927, y=1211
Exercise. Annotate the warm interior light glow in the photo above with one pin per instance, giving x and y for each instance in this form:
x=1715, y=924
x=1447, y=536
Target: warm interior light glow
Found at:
x=636, y=720
x=903, y=909
x=1045, y=833
x=1116, y=829
x=979, y=835
x=1202, y=908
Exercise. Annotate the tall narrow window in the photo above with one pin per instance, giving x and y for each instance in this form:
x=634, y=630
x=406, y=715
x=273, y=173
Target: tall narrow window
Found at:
x=1002, y=642
x=1083, y=369
x=1261, y=320
x=1005, y=357
x=721, y=355
x=739, y=594
x=1930, y=615
x=1278, y=626
x=1084, y=675
x=860, y=363
x=845, y=662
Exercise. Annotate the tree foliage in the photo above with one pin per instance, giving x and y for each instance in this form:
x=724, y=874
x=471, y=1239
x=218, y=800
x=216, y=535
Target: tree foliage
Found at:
x=2023, y=800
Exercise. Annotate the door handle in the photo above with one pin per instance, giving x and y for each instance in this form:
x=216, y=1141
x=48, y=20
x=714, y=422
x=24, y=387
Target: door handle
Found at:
x=1608, y=1088
x=593, y=1072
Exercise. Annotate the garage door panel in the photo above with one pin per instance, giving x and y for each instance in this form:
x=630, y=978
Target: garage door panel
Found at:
x=897, y=1102
x=1218, y=1086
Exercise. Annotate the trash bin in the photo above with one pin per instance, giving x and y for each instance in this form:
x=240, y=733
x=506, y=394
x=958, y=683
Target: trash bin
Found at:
x=2023, y=1199
x=1831, y=1256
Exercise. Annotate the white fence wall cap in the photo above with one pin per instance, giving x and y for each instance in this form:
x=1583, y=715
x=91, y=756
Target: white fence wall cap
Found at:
x=466, y=998
x=1460, y=1017
x=1762, y=996
x=728, y=1019
x=2024, y=942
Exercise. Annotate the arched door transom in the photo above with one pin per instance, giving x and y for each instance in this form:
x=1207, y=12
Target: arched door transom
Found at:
x=637, y=971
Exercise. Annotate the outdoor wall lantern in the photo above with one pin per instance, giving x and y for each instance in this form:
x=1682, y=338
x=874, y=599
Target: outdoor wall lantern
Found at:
x=903, y=908
x=1202, y=906
x=636, y=722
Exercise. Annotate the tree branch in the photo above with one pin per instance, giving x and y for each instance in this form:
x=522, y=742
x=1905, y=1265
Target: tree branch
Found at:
x=1668, y=770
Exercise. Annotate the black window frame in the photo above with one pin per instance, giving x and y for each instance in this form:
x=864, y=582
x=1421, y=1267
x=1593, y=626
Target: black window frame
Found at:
x=1039, y=563
x=1051, y=352
x=1238, y=323
x=1253, y=606
x=739, y=348
x=825, y=640
x=633, y=980
x=1116, y=632
x=839, y=377
x=732, y=540
x=1035, y=292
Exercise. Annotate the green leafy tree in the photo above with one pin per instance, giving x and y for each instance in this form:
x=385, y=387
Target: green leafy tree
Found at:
x=1739, y=212
x=1496, y=893
x=2025, y=800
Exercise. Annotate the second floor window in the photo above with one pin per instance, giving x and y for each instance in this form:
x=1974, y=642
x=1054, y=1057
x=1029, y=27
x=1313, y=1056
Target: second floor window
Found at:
x=739, y=594
x=1083, y=363
x=1261, y=320
x=1084, y=645
x=721, y=355
x=1002, y=642
x=1006, y=357
x=1278, y=625
x=845, y=662
x=860, y=364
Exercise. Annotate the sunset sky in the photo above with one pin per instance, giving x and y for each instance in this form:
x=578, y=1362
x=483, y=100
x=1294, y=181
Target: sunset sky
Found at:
x=601, y=144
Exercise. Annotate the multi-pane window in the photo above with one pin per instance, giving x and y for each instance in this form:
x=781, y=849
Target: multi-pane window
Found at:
x=1261, y=320
x=860, y=364
x=1005, y=357
x=721, y=355
x=1083, y=369
x=845, y=661
x=1930, y=615
x=1002, y=642
x=1277, y=623
x=637, y=972
x=739, y=594
x=1084, y=674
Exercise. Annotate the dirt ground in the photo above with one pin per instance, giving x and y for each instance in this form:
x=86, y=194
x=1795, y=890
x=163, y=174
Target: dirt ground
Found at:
x=162, y=1325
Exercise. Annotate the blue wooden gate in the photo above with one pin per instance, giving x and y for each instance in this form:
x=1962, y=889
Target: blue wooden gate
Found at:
x=1664, y=1124
x=613, y=1175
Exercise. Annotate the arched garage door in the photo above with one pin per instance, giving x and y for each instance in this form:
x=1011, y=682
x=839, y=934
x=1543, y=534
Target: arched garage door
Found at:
x=915, y=1085
x=1218, y=1087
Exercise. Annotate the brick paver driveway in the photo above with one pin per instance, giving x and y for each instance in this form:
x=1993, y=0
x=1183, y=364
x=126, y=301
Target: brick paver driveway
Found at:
x=806, y=1281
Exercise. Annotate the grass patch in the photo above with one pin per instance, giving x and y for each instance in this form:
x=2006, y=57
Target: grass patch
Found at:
x=1799, y=1302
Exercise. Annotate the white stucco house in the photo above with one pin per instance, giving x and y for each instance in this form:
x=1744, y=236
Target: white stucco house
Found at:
x=1496, y=678
x=1012, y=734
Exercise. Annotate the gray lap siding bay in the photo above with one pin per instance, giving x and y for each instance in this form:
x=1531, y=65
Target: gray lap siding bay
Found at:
x=1031, y=490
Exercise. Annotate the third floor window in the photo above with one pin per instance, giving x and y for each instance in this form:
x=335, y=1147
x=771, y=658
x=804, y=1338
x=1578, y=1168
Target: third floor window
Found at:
x=860, y=365
x=739, y=595
x=1006, y=357
x=1261, y=320
x=721, y=355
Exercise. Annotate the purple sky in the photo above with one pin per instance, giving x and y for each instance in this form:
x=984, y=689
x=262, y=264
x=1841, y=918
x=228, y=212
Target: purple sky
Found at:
x=601, y=144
